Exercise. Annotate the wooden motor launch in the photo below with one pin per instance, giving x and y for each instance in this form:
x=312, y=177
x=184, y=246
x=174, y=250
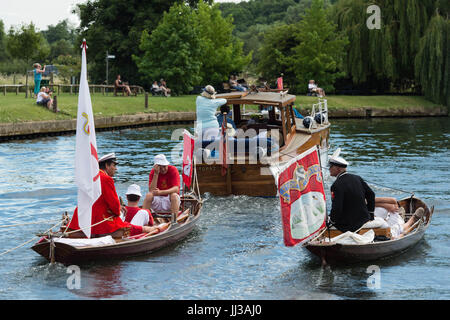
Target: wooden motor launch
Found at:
x=262, y=139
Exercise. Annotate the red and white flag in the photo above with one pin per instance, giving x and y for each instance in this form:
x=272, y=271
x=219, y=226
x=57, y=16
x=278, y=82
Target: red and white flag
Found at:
x=87, y=174
x=188, y=153
x=302, y=198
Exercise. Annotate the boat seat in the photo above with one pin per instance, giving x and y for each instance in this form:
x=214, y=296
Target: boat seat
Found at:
x=378, y=232
x=264, y=142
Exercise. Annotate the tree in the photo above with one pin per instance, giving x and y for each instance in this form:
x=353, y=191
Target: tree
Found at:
x=116, y=27
x=171, y=51
x=27, y=44
x=3, y=53
x=320, y=49
x=221, y=53
x=384, y=54
x=191, y=47
x=309, y=49
x=432, y=63
x=276, y=48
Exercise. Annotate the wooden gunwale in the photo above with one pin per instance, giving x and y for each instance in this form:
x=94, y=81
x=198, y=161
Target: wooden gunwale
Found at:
x=65, y=253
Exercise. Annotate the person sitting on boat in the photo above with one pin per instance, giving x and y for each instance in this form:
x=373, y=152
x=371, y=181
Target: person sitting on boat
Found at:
x=108, y=206
x=164, y=187
x=207, y=126
x=388, y=209
x=353, y=201
x=134, y=214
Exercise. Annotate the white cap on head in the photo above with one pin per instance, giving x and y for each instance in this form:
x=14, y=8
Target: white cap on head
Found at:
x=134, y=189
x=161, y=160
x=336, y=160
x=109, y=156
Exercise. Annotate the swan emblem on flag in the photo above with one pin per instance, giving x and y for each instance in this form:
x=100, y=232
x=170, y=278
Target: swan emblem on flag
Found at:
x=187, y=167
x=86, y=124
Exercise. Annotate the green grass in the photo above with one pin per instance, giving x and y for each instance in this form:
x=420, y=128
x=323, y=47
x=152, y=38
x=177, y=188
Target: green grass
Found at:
x=348, y=102
x=15, y=108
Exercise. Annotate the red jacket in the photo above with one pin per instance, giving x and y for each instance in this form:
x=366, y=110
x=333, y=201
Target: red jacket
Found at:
x=107, y=205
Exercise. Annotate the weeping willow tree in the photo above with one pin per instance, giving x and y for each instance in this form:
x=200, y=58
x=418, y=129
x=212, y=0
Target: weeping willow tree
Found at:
x=432, y=63
x=387, y=53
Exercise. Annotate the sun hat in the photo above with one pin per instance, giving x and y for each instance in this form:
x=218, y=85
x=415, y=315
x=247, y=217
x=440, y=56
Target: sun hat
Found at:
x=161, y=160
x=134, y=189
x=209, y=92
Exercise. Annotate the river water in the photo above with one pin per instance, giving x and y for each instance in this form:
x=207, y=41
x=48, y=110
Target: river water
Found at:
x=236, y=251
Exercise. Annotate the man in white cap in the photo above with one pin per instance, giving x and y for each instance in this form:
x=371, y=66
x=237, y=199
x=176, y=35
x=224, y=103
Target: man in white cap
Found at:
x=164, y=187
x=136, y=215
x=353, y=202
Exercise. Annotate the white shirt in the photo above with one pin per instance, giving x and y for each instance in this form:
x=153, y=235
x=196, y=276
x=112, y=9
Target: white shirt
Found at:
x=41, y=96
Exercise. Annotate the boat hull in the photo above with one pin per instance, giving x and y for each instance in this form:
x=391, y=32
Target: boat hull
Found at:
x=338, y=253
x=68, y=254
x=253, y=178
x=335, y=253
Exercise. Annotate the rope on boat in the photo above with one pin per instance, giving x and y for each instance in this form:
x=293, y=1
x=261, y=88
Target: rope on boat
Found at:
x=28, y=223
x=26, y=242
x=65, y=233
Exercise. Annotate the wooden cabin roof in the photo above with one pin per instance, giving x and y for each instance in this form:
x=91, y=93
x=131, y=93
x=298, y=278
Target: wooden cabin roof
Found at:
x=260, y=98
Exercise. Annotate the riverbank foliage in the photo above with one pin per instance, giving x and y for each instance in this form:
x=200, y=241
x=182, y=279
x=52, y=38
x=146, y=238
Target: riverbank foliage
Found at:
x=15, y=108
x=407, y=52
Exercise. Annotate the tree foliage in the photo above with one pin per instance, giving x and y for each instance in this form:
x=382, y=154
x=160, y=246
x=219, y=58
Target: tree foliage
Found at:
x=171, y=51
x=190, y=48
x=309, y=49
x=432, y=63
x=116, y=27
x=27, y=44
x=388, y=52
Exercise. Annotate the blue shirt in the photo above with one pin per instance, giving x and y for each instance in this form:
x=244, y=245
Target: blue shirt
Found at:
x=37, y=75
x=206, y=112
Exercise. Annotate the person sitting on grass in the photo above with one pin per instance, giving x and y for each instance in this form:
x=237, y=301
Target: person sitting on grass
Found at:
x=44, y=99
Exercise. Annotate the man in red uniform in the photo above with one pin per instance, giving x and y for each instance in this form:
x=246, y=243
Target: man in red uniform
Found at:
x=164, y=187
x=107, y=205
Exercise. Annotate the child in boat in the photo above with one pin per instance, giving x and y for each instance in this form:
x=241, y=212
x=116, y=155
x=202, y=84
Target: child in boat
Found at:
x=134, y=214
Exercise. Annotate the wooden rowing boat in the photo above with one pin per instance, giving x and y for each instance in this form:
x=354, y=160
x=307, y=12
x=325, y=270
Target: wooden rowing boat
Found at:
x=167, y=234
x=248, y=172
x=335, y=253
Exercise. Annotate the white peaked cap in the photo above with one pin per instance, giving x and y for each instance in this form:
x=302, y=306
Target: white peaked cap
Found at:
x=335, y=159
x=161, y=160
x=134, y=189
x=108, y=157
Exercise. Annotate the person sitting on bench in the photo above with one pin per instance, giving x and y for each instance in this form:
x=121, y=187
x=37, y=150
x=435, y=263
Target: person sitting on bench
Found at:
x=118, y=84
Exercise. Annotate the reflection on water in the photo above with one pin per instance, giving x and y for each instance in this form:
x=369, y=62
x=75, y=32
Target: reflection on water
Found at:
x=236, y=251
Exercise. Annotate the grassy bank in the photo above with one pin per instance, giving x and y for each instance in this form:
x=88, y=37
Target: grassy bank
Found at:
x=15, y=108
